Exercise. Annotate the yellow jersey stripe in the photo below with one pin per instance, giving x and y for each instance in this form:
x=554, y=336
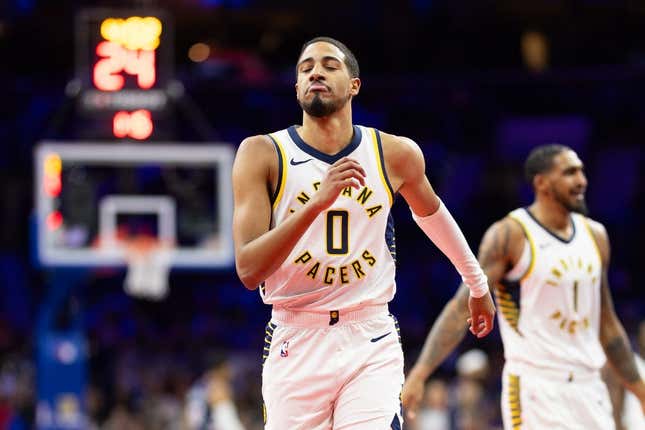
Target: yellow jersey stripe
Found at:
x=531, y=244
x=593, y=238
x=282, y=179
x=380, y=162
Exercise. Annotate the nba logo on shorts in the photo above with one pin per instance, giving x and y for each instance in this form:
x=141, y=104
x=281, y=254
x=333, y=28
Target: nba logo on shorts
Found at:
x=284, y=349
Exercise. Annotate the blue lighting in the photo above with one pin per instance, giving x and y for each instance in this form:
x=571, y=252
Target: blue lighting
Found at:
x=227, y=3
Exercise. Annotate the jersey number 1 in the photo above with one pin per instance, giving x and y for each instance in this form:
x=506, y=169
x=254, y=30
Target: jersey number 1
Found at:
x=337, y=241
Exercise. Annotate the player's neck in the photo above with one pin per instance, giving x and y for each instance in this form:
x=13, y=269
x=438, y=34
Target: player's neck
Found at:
x=328, y=134
x=552, y=215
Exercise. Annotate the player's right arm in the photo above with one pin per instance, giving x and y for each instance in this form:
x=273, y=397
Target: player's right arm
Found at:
x=259, y=250
x=499, y=251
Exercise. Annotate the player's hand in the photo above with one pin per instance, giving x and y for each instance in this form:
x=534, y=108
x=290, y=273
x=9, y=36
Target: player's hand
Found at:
x=482, y=315
x=340, y=175
x=412, y=393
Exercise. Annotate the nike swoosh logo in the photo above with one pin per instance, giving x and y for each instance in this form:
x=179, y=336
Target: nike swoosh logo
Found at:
x=295, y=163
x=376, y=339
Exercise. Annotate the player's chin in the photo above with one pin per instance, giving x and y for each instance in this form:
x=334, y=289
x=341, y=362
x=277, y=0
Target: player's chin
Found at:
x=579, y=206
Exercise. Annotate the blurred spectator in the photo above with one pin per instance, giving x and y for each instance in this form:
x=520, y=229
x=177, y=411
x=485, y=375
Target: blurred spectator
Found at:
x=473, y=365
x=472, y=405
x=96, y=407
x=435, y=414
x=123, y=417
x=161, y=405
x=16, y=393
x=209, y=403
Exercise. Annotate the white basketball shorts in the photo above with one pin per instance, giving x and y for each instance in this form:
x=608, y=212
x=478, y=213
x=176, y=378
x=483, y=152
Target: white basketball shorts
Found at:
x=341, y=376
x=539, y=399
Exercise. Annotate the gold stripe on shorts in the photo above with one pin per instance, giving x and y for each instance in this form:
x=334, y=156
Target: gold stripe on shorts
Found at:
x=514, y=402
x=268, y=338
x=398, y=328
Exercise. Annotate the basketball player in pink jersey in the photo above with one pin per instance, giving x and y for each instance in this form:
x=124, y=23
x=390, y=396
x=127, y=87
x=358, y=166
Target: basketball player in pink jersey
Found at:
x=313, y=231
x=548, y=263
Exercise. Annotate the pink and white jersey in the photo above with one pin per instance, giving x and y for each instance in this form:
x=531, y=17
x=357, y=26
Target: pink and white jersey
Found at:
x=549, y=304
x=345, y=259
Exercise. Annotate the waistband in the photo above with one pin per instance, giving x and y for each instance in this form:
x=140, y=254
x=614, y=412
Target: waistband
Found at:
x=319, y=319
x=555, y=375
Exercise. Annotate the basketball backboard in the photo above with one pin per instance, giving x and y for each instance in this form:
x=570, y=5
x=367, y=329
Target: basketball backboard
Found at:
x=91, y=198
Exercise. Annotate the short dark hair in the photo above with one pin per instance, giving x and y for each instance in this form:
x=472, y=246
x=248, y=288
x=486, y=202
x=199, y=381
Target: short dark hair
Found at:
x=213, y=359
x=350, y=58
x=540, y=159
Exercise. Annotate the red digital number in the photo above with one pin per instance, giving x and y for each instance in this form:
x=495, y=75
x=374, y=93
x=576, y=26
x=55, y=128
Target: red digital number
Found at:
x=141, y=64
x=137, y=125
x=116, y=59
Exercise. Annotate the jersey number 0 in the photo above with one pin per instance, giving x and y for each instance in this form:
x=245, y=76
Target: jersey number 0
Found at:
x=337, y=241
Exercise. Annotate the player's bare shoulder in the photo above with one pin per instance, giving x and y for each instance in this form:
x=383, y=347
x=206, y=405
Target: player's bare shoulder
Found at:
x=256, y=156
x=504, y=241
x=398, y=150
x=258, y=147
x=403, y=158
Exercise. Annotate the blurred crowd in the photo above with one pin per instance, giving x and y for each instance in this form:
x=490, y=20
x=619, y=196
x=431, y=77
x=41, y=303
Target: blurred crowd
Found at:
x=149, y=371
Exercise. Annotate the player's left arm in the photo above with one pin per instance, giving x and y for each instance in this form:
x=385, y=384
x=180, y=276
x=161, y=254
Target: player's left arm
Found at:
x=405, y=167
x=613, y=338
x=616, y=394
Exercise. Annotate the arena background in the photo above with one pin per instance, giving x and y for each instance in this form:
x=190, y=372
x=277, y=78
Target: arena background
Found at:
x=475, y=83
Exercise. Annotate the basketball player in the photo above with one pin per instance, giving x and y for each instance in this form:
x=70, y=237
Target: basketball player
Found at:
x=548, y=265
x=312, y=229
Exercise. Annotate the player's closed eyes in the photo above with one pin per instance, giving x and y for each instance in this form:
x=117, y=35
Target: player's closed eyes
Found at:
x=333, y=65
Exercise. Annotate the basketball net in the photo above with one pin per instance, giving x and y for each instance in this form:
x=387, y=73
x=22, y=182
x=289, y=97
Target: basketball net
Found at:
x=148, y=268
